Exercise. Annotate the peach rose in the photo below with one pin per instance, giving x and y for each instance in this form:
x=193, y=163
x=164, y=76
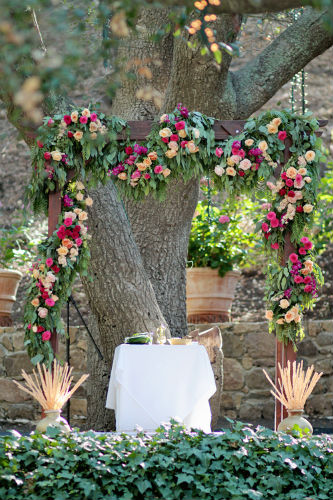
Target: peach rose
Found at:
x=89, y=201
x=173, y=145
x=280, y=321
x=35, y=302
x=171, y=153
x=75, y=116
x=182, y=133
x=231, y=171
x=310, y=156
x=165, y=132
x=55, y=298
x=79, y=185
x=79, y=196
x=141, y=166
x=219, y=170
x=78, y=135
x=86, y=112
x=122, y=176
x=301, y=161
x=249, y=142
x=236, y=159
x=42, y=312
x=66, y=242
x=62, y=250
x=230, y=162
x=192, y=147
x=56, y=155
x=272, y=129
x=291, y=172
x=308, y=179
x=93, y=127
x=166, y=172
x=93, y=136
x=308, y=208
x=289, y=316
x=83, y=215
x=152, y=155
x=269, y=315
x=62, y=260
x=146, y=161
x=263, y=146
x=245, y=164
x=284, y=303
x=35, y=273
x=276, y=121
x=77, y=210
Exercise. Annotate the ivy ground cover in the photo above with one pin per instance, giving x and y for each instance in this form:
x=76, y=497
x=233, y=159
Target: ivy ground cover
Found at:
x=238, y=464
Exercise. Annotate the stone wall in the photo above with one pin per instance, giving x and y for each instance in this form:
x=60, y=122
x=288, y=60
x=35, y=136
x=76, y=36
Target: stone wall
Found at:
x=246, y=395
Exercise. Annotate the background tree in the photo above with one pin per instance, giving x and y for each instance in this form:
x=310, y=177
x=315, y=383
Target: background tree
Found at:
x=139, y=249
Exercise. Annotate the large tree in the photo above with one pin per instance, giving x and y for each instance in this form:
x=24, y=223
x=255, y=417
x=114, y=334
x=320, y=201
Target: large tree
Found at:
x=138, y=249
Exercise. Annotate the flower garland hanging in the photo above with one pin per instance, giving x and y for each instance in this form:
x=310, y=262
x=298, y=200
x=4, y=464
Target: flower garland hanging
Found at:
x=83, y=146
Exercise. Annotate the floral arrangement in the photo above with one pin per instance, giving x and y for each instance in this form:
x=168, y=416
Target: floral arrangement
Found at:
x=83, y=145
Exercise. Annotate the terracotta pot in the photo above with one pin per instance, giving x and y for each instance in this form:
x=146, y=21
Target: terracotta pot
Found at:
x=9, y=282
x=209, y=297
x=295, y=418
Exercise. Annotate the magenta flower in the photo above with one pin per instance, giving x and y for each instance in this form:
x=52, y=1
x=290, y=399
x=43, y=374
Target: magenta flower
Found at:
x=70, y=134
x=83, y=119
x=308, y=289
x=307, y=280
x=180, y=125
x=158, y=169
x=275, y=223
x=308, y=245
x=224, y=218
x=304, y=239
x=282, y=135
x=218, y=152
x=298, y=279
x=49, y=302
x=234, y=151
x=47, y=156
x=78, y=241
x=50, y=122
x=40, y=144
x=174, y=137
x=93, y=117
x=147, y=176
x=68, y=221
x=128, y=150
x=29, y=326
x=271, y=215
x=302, y=251
x=67, y=119
x=136, y=174
x=61, y=232
x=265, y=227
x=46, y=336
x=49, y=262
x=165, y=140
x=289, y=182
x=236, y=144
x=293, y=257
x=275, y=246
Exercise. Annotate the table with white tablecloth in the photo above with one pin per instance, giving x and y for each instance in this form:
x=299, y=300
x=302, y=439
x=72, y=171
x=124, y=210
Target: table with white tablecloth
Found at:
x=150, y=384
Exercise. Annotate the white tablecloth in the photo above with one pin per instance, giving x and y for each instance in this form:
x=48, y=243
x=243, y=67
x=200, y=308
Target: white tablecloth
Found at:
x=150, y=384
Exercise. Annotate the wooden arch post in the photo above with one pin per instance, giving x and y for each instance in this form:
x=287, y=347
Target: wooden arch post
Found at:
x=223, y=130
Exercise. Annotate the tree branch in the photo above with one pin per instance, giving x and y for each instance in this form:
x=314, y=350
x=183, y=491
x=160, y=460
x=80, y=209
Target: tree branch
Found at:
x=261, y=78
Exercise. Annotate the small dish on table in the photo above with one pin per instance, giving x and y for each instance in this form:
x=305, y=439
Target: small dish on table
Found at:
x=180, y=341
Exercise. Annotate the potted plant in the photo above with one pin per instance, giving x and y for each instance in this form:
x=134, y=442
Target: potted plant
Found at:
x=16, y=251
x=218, y=246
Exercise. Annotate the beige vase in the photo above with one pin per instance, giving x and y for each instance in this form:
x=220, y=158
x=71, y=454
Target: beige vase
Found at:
x=208, y=296
x=52, y=419
x=9, y=282
x=295, y=418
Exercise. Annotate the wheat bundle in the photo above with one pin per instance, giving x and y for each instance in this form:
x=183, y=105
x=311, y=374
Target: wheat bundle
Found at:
x=295, y=385
x=51, y=388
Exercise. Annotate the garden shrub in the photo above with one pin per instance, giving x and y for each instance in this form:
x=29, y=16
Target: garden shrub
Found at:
x=238, y=464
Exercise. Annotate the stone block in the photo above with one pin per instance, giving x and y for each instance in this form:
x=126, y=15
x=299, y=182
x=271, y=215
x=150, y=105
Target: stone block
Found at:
x=78, y=406
x=78, y=360
x=247, y=363
x=264, y=362
x=26, y=411
x=16, y=362
x=233, y=346
x=318, y=405
x=268, y=410
x=260, y=344
x=227, y=401
x=325, y=338
x=307, y=348
x=256, y=379
x=6, y=341
x=11, y=393
x=251, y=411
x=233, y=374
x=18, y=340
x=324, y=365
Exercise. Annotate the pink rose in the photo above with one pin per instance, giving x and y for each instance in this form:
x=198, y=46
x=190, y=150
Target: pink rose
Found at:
x=158, y=169
x=50, y=123
x=174, y=137
x=46, y=336
x=147, y=176
x=241, y=153
x=165, y=139
x=136, y=175
x=70, y=134
x=49, y=302
x=40, y=144
x=68, y=221
x=93, y=117
x=183, y=144
x=180, y=125
x=29, y=326
x=218, y=152
x=289, y=182
x=291, y=194
x=49, y=262
x=275, y=223
x=47, y=156
x=224, y=218
x=234, y=151
x=275, y=246
x=67, y=119
x=308, y=245
x=42, y=312
x=308, y=289
x=298, y=279
x=298, y=178
x=78, y=241
x=266, y=206
x=271, y=215
x=61, y=232
x=83, y=119
x=302, y=251
x=293, y=257
x=264, y=227
x=307, y=280
x=128, y=150
x=304, y=239
x=282, y=135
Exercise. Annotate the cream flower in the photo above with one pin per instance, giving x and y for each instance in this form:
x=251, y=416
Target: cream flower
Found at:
x=35, y=273
x=163, y=118
x=89, y=201
x=42, y=312
x=272, y=129
x=308, y=179
x=62, y=260
x=78, y=135
x=83, y=215
x=219, y=170
x=196, y=133
x=56, y=155
x=75, y=116
x=302, y=171
x=141, y=166
x=147, y=162
x=276, y=121
x=86, y=112
x=79, y=185
x=308, y=208
x=79, y=196
x=284, y=303
x=230, y=162
x=182, y=133
x=310, y=156
x=165, y=132
x=291, y=172
x=269, y=315
x=298, y=195
x=166, y=172
x=77, y=210
x=301, y=161
x=231, y=171
x=34, y=328
x=236, y=159
x=263, y=146
x=280, y=321
x=171, y=153
x=249, y=142
x=62, y=250
x=173, y=145
x=152, y=155
x=245, y=164
x=71, y=215
x=192, y=147
x=93, y=127
x=35, y=302
x=122, y=176
x=289, y=316
x=299, y=184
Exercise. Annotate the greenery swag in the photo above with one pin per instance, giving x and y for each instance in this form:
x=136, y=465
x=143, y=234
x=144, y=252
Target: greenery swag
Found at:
x=82, y=146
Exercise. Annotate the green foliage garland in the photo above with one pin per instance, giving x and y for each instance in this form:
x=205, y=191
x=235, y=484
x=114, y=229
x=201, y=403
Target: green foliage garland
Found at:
x=82, y=146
